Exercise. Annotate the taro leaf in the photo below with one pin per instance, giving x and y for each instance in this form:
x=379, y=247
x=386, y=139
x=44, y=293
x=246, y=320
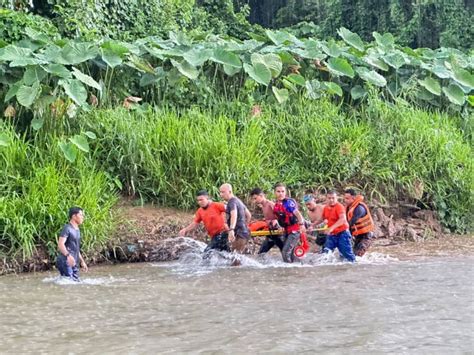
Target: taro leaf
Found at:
x=197, y=57
x=271, y=61
x=441, y=72
x=37, y=123
x=26, y=95
x=333, y=88
x=280, y=94
x=351, y=38
x=75, y=53
x=69, y=151
x=111, y=58
x=371, y=76
x=463, y=77
x=424, y=94
x=222, y=56
x=432, y=85
x=186, y=69
x=332, y=49
x=80, y=142
x=296, y=79
x=90, y=134
x=395, y=60
x=313, y=89
x=279, y=37
x=11, y=53
x=340, y=66
x=140, y=64
x=386, y=41
x=36, y=36
x=86, y=79
x=75, y=90
x=289, y=85
x=58, y=70
x=4, y=140
x=33, y=74
x=287, y=58
x=230, y=71
x=454, y=94
x=259, y=72
x=13, y=90
x=357, y=92
x=376, y=62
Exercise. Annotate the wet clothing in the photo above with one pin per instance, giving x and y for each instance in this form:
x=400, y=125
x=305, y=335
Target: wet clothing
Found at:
x=73, y=246
x=241, y=229
x=212, y=218
x=285, y=214
x=362, y=243
x=218, y=242
x=270, y=242
x=343, y=242
x=291, y=242
x=332, y=213
x=359, y=217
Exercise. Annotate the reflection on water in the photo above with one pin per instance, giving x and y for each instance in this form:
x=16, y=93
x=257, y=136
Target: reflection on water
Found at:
x=379, y=305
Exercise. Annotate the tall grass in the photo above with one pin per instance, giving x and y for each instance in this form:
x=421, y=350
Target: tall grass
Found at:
x=38, y=186
x=390, y=151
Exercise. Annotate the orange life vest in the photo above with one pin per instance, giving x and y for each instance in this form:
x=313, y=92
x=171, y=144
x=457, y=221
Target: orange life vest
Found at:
x=364, y=224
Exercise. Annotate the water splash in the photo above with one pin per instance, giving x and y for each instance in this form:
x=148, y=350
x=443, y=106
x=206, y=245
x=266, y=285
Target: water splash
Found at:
x=66, y=281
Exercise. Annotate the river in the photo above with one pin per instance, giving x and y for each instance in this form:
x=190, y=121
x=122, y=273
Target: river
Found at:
x=379, y=305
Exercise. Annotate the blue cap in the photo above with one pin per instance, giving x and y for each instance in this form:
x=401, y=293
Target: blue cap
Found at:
x=308, y=198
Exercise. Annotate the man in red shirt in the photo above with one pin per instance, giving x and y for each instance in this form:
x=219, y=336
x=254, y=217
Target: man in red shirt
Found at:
x=211, y=214
x=338, y=236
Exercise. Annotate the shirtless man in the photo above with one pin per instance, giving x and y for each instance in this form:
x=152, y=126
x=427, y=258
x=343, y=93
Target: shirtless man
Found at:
x=315, y=214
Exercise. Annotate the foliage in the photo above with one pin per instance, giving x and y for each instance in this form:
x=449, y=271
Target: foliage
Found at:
x=389, y=151
x=14, y=23
x=38, y=186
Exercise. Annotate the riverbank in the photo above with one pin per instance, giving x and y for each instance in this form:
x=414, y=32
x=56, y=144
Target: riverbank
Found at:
x=150, y=234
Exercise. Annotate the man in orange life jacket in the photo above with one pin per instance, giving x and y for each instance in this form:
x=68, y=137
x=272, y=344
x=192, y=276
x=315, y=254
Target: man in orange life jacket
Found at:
x=338, y=235
x=288, y=217
x=360, y=221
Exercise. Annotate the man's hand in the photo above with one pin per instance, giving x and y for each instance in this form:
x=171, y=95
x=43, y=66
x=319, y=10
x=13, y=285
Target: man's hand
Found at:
x=84, y=266
x=182, y=232
x=302, y=228
x=231, y=236
x=70, y=261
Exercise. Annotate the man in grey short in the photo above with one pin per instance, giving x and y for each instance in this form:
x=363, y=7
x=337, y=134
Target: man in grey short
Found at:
x=69, y=245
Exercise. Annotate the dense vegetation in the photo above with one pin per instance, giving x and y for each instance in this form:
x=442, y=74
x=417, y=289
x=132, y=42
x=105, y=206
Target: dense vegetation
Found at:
x=158, y=99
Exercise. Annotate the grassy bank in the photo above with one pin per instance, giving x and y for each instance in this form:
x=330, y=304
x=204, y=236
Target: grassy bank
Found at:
x=392, y=152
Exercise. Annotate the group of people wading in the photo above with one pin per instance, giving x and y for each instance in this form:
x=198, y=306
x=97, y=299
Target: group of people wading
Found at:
x=349, y=227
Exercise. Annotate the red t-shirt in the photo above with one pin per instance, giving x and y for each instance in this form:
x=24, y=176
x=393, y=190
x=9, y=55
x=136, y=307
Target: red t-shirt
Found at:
x=212, y=218
x=332, y=213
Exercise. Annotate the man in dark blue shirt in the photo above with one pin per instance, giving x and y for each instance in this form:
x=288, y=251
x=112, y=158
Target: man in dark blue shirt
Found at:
x=69, y=245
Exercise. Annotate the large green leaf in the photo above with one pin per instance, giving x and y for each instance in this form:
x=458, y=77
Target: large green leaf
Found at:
x=386, y=41
x=80, y=142
x=259, y=72
x=340, y=66
x=432, y=85
x=297, y=79
x=376, y=62
x=279, y=37
x=271, y=61
x=441, y=71
x=111, y=58
x=86, y=79
x=186, y=69
x=357, y=92
x=75, y=53
x=463, y=77
x=395, y=60
x=332, y=49
x=58, y=70
x=454, y=94
x=37, y=123
x=75, y=90
x=231, y=71
x=12, y=52
x=26, y=95
x=13, y=90
x=287, y=58
x=222, y=56
x=280, y=94
x=4, y=140
x=197, y=57
x=351, y=38
x=69, y=151
x=371, y=76
x=470, y=99
x=333, y=88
